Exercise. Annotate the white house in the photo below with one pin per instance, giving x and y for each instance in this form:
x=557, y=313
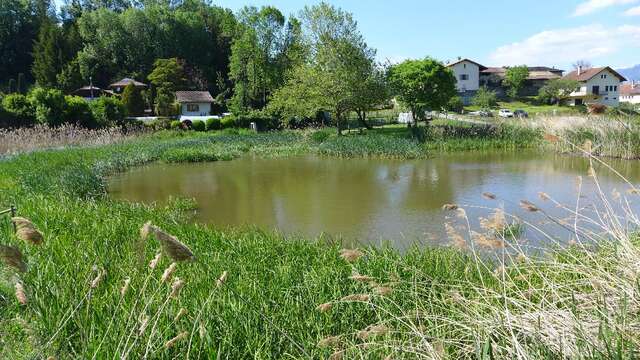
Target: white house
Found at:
x=599, y=85
x=467, y=75
x=194, y=105
x=630, y=93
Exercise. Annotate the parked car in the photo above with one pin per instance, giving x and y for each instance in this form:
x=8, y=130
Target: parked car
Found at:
x=520, y=114
x=505, y=113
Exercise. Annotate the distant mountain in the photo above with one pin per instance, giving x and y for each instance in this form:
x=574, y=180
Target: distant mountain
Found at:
x=632, y=73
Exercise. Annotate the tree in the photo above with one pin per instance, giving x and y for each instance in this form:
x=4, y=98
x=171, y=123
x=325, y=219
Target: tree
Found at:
x=582, y=64
x=164, y=102
x=371, y=90
x=47, y=53
x=107, y=111
x=422, y=85
x=167, y=74
x=485, y=98
x=12, y=86
x=514, y=79
x=557, y=91
x=21, y=88
x=132, y=100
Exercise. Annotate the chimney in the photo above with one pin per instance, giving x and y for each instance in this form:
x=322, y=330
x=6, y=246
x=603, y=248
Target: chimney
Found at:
x=579, y=70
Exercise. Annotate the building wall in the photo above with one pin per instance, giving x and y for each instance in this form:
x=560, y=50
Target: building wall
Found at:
x=204, y=109
x=632, y=99
x=605, y=80
x=472, y=71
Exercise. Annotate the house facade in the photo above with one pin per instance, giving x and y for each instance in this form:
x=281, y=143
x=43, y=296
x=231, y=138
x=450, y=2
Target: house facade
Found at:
x=630, y=93
x=194, y=105
x=467, y=75
x=599, y=85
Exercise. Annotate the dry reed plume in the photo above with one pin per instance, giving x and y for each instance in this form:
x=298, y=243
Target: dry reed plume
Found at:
x=12, y=257
x=171, y=343
x=27, y=231
x=173, y=247
x=351, y=255
x=20, y=293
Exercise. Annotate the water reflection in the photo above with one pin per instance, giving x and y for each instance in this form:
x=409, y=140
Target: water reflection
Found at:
x=365, y=200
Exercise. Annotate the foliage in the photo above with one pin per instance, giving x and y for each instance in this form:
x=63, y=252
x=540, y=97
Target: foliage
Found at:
x=198, y=125
x=108, y=111
x=78, y=111
x=19, y=24
x=371, y=146
x=263, y=120
x=485, y=98
x=423, y=85
x=228, y=122
x=21, y=86
x=213, y=124
x=49, y=105
x=165, y=102
x=557, y=91
x=167, y=74
x=19, y=110
x=11, y=87
x=132, y=100
x=455, y=104
x=175, y=124
x=48, y=56
x=514, y=79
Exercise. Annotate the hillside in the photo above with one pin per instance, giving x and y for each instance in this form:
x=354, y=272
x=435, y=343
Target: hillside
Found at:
x=632, y=73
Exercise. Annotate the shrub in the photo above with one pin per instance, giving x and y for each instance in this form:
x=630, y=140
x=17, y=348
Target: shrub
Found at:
x=321, y=135
x=107, y=111
x=132, y=100
x=485, y=98
x=214, y=124
x=49, y=105
x=228, y=122
x=455, y=104
x=263, y=120
x=198, y=125
x=175, y=125
x=18, y=111
x=77, y=111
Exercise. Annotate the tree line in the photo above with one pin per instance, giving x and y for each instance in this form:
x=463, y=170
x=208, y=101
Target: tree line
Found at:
x=258, y=61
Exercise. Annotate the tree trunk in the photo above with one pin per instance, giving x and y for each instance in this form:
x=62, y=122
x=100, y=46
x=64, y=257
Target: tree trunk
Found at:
x=339, y=123
x=362, y=118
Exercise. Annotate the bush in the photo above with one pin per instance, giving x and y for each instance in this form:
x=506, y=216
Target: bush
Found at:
x=132, y=100
x=228, y=122
x=18, y=111
x=263, y=121
x=107, y=111
x=214, y=124
x=49, y=105
x=198, y=125
x=175, y=125
x=77, y=111
x=455, y=104
x=485, y=98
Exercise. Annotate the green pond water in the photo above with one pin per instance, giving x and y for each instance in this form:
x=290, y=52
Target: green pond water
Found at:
x=375, y=201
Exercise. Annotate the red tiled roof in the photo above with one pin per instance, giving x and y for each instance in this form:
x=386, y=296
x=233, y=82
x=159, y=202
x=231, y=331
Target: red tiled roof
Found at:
x=630, y=89
x=587, y=74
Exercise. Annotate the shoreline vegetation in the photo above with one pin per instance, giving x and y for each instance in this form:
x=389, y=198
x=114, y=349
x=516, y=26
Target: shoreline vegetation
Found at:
x=96, y=284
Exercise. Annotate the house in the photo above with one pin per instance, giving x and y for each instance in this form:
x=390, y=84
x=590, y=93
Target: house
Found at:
x=630, y=93
x=492, y=78
x=467, y=73
x=91, y=92
x=600, y=85
x=194, y=105
x=118, y=87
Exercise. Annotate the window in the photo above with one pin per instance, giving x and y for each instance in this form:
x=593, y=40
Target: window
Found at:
x=464, y=65
x=603, y=76
x=606, y=88
x=193, y=107
x=615, y=88
x=464, y=77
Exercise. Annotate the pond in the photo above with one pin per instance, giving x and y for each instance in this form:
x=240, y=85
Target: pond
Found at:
x=369, y=201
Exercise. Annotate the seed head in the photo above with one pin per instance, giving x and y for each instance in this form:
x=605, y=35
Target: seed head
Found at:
x=175, y=249
x=383, y=290
x=361, y=278
x=357, y=297
x=98, y=279
x=144, y=322
x=528, y=206
x=155, y=260
x=180, y=314
x=329, y=342
x=543, y=196
x=338, y=355
x=168, y=272
x=145, y=230
x=351, y=255
x=489, y=196
x=12, y=256
x=169, y=344
x=20, y=294
x=457, y=240
x=27, y=231
x=125, y=287
x=372, y=331
x=551, y=138
x=222, y=279
x=177, y=285
x=587, y=146
x=591, y=172
x=449, y=207
x=324, y=307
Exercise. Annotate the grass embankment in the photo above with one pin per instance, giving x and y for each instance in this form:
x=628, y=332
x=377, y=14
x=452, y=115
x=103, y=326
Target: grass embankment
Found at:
x=377, y=303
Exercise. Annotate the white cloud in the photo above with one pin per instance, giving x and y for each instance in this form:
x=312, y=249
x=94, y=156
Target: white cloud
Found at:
x=591, y=6
x=633, y=11
x=563, y=46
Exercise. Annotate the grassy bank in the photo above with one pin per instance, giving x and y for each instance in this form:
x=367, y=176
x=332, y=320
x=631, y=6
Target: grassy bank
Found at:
x=287, y=298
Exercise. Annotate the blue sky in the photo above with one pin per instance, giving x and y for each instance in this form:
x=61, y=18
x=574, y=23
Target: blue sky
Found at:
x=493, y=32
